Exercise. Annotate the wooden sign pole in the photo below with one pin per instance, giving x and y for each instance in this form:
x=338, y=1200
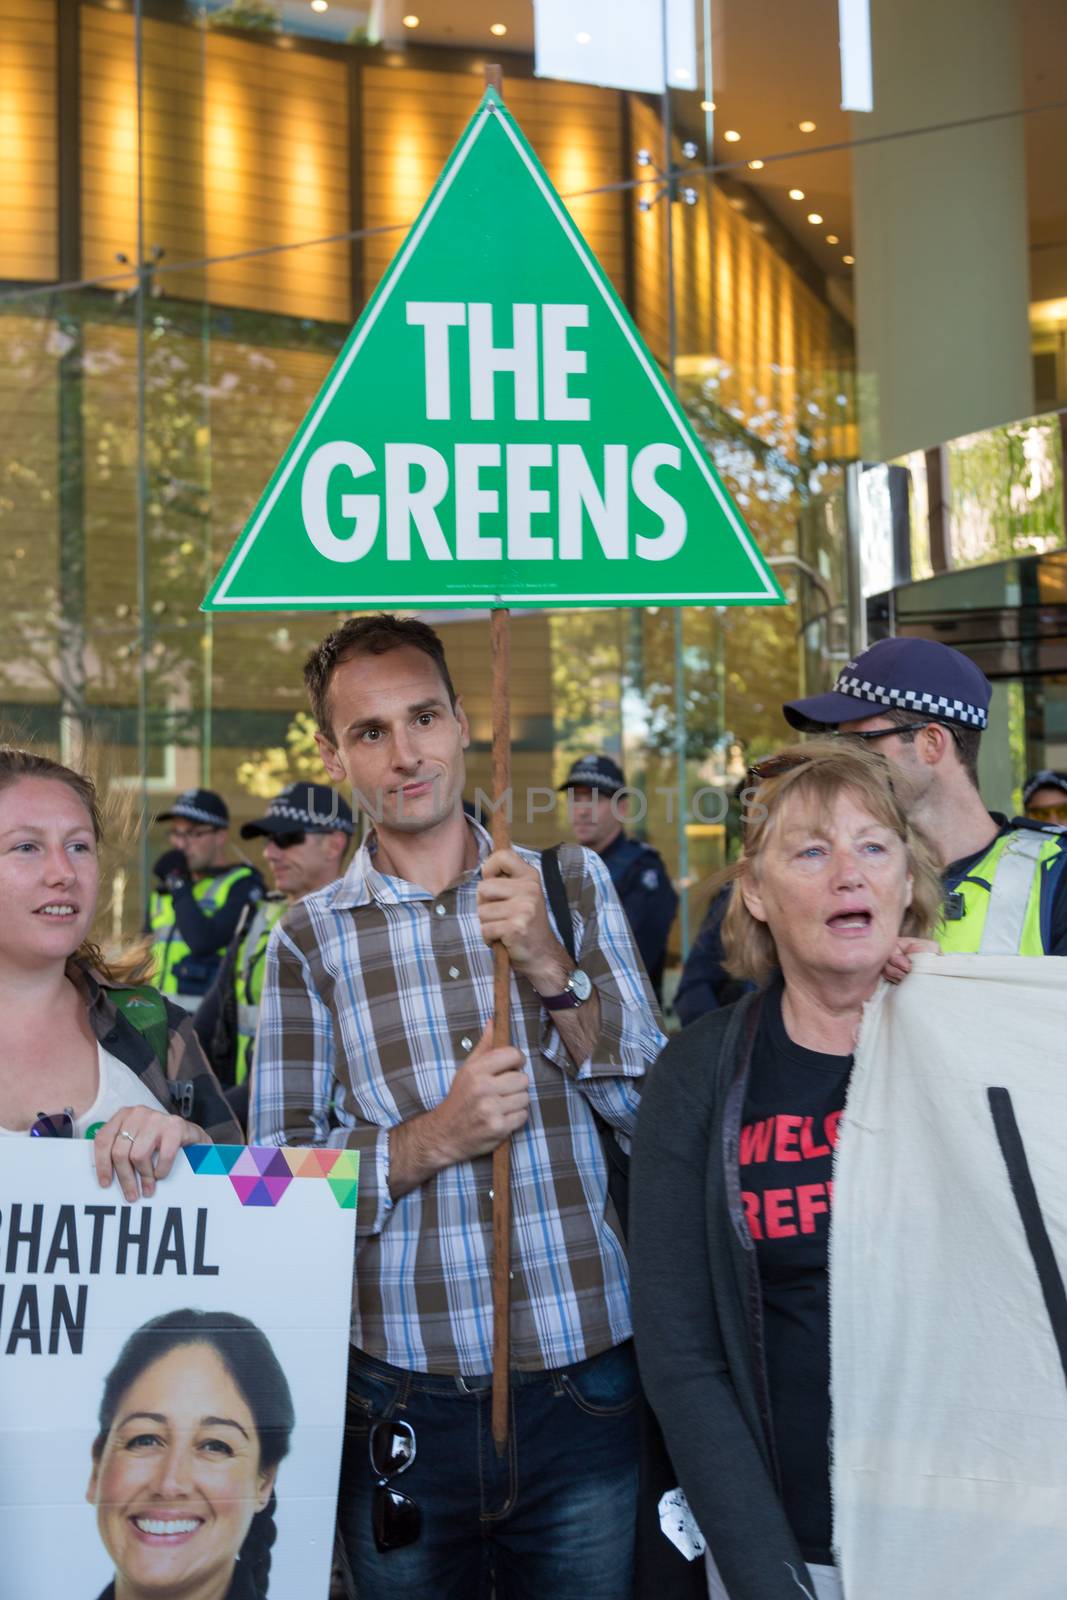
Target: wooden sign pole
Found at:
x=500, y=636
x=500, y=643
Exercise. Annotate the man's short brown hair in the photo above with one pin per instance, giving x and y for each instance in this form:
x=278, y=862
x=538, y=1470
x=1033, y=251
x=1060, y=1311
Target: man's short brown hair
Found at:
x=370, y=636
x=966, y=740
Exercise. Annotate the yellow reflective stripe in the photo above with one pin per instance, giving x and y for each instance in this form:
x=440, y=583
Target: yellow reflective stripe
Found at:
x=170, y=947
x=249, y=976
x=964, y=935
x=244, y=1058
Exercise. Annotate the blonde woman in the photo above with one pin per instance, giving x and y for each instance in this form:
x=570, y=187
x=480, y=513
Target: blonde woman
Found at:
x=731, y=1184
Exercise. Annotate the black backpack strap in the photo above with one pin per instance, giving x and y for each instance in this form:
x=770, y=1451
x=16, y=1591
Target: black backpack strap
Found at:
x=618, y=1162
x=557, y=898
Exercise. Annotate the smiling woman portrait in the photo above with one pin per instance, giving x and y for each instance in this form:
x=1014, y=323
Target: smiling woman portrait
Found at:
x=75, y=1063
x=195, y=1418
x=732, y=1178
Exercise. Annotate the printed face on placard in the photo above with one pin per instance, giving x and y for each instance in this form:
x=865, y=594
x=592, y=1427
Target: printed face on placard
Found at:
x=399, y=742
x=178, y=1478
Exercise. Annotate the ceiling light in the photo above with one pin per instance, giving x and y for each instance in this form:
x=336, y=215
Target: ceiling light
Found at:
x=815, y=217
x=850, y=261
x=796, y=194
x=583, y=38
x=831, y=238
x=731, y=136
x=410, y=21
x=806, y=127
x=707, y=105
x=756, y=166
x=320, y=5
x=498, y=28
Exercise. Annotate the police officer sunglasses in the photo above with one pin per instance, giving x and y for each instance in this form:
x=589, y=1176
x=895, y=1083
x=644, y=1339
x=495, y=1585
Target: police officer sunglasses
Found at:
x=1048, y=813
x=396, y=1520
x=288, y=841
x=869, y=735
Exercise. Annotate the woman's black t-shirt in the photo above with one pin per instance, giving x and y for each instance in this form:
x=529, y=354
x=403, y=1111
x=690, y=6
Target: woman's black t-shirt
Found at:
x=789, y=1130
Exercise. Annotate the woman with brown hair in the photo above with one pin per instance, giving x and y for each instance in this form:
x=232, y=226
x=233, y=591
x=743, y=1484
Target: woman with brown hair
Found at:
x=195, y=1419
x=74, y=1064
x=731, y=1182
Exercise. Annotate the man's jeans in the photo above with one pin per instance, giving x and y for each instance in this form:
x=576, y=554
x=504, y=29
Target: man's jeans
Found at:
x=551, y=1519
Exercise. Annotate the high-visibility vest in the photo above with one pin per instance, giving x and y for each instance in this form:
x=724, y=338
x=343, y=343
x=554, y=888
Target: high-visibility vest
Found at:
x=248, y=978
x=1007, y=897
x=183, y=984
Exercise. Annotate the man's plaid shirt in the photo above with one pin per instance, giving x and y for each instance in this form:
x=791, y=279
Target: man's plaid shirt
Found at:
x=374, y=991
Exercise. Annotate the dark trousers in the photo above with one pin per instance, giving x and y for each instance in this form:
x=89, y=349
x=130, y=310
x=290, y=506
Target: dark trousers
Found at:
x=551, y=1519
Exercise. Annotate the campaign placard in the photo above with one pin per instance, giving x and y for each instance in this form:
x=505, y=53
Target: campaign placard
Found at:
x=172, y=1373
x=495, y=431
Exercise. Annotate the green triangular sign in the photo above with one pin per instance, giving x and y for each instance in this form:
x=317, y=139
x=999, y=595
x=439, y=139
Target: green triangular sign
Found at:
x=494, y=432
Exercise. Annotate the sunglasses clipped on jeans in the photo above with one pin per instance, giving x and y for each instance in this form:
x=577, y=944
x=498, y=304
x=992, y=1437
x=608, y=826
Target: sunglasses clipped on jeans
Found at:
x=395, y=1518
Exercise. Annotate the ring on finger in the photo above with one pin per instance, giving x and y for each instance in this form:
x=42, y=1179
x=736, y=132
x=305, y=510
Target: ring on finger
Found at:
x=124, y=1135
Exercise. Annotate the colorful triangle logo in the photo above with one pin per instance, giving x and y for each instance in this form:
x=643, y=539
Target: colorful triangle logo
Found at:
x=346, y=1165
x=219, y=1158
x=252, y=1191
x=344, y=1192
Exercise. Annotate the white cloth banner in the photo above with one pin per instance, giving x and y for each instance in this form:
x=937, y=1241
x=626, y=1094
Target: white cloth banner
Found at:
x=949, y=1393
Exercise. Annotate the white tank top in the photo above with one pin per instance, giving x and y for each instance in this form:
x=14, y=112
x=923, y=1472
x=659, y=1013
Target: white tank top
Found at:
x=117, y=1086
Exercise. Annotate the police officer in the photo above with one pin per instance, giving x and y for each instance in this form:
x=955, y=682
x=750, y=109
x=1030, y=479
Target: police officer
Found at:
x=194, y=911
x=1045, y=798
x=924, y=706
x=597, y=805
x=307, y=828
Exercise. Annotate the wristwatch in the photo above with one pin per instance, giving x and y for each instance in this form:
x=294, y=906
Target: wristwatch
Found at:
x=579, y=988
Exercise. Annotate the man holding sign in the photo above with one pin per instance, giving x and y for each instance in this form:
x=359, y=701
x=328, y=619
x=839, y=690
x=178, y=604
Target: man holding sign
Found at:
x=375, y=1035
x=494, y=433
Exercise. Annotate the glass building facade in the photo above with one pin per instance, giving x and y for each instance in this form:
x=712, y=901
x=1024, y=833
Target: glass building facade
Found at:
x=861, y=312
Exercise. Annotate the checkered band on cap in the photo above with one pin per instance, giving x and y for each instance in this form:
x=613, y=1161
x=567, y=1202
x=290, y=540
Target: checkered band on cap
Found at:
x=935, y=706
x=184, y=807
x=329, y=821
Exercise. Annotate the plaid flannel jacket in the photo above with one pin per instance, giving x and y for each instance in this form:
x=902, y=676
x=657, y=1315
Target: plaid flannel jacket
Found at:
x=374, y=990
